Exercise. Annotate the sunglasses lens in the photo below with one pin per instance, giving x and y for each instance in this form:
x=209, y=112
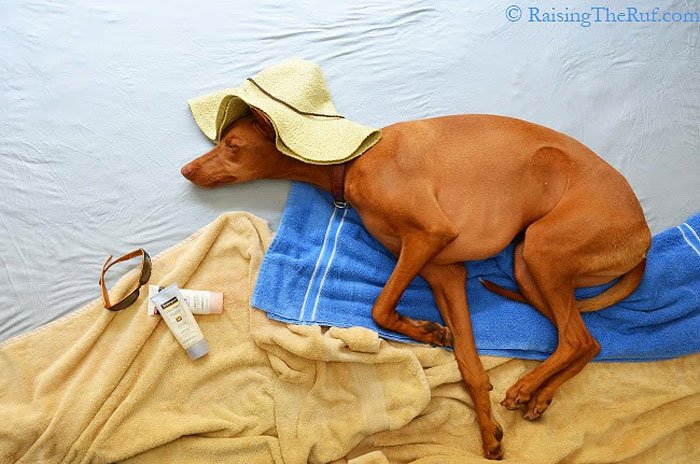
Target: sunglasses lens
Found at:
x=126, y=302
x=146, y=270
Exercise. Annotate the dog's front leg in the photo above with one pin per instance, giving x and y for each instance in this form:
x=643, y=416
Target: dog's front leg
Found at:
x=448, y=283
x=417, y=248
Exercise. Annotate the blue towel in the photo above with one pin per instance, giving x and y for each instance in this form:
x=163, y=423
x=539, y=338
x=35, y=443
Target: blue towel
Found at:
x=323, y=267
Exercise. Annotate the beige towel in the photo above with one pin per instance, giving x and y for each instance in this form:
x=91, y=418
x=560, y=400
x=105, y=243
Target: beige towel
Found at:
x=97, y=386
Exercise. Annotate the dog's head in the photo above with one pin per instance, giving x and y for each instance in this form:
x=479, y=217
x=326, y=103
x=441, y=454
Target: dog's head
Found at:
x=246, y=152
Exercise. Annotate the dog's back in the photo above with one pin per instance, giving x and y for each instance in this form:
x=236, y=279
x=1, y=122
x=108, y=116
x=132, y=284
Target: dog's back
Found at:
x=492, y=175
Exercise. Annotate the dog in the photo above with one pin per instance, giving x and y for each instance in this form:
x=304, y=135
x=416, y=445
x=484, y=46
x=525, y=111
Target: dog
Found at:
x=441, y=191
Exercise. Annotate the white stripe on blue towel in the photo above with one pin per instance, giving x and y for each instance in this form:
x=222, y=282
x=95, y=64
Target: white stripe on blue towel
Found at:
x=318, y=264
x=330, y=263
x=690, y=236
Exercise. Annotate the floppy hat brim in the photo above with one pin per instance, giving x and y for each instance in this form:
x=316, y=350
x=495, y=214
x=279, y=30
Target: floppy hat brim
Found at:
x=311, y=139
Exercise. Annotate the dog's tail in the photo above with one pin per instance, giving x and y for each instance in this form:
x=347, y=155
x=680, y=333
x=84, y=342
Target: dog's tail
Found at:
x=620, y=290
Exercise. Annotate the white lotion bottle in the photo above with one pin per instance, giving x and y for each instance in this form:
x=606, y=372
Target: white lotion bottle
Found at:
x=199, y=301
x=173, y=309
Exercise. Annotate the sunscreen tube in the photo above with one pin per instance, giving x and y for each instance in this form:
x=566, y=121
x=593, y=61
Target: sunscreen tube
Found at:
x=173, y=309
x=199, y=301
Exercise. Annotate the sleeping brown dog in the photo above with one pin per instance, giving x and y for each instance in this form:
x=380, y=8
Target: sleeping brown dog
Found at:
x=438, y=192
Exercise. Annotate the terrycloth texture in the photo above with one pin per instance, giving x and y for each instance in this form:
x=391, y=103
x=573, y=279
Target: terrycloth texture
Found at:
x=324, y=267
x=297, y=83
x=98, y=387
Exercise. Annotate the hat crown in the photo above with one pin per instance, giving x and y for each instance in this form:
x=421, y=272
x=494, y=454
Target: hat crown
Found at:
x=299, y=83
x=294, y=96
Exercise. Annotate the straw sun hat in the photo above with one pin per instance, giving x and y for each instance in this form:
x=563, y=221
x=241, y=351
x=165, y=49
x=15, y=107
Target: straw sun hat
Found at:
x=294, y=95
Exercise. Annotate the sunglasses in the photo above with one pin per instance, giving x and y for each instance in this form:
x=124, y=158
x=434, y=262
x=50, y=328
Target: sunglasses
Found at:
x=143, y=278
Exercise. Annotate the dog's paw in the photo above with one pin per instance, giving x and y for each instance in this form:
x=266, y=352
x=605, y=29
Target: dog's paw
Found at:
x=438, y=334
x=495, y=453
x=516, y=397
x=492, y=442
x=537, y=405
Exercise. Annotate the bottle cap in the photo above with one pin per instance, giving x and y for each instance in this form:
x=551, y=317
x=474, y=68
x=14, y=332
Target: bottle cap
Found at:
x=216, y=303
x=198, y=350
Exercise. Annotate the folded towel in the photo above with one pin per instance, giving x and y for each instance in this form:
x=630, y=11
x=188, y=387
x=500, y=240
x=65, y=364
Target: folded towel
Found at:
x=323, y=267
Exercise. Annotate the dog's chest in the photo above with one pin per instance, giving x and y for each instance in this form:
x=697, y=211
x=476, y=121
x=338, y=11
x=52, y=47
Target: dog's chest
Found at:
x=382, y=231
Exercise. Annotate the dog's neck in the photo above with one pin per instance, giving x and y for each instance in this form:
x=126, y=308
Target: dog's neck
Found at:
x=314, y=174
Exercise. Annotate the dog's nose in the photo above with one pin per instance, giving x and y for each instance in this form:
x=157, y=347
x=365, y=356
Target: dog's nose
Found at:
x=186, y=172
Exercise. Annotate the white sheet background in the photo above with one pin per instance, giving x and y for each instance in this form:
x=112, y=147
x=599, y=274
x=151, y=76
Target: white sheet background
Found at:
x=94, y=122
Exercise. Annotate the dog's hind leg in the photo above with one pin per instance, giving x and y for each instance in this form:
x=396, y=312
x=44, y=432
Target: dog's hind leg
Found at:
x=542, y=397
x=547, y=270
x=417, y=248
x=448, y=283
x=574, y=342
x=527, y=286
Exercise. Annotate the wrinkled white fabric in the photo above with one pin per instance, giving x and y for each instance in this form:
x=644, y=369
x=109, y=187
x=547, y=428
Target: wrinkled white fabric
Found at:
x=95, y=125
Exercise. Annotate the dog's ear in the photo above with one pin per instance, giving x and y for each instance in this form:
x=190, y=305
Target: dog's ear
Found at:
x=263, y=122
